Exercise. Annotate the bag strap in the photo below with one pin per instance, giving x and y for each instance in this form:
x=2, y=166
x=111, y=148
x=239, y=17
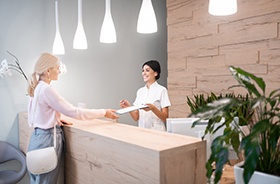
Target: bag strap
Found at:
x=32, y=118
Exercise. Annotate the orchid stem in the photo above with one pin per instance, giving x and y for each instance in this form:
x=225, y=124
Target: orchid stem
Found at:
x=17, y=68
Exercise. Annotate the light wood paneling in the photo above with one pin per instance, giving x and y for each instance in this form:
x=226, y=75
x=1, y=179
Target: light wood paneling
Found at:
x=202, y=46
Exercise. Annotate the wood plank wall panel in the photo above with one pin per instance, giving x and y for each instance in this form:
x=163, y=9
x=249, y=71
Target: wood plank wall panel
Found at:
x=202, y=46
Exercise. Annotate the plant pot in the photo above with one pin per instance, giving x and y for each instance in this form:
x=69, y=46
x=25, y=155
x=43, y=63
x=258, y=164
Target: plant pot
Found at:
x=257, y=178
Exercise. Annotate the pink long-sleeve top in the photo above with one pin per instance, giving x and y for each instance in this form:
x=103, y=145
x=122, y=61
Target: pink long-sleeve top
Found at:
x=46, y=113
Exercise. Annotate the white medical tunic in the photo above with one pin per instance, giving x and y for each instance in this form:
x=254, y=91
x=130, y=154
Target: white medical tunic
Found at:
x=156, y=95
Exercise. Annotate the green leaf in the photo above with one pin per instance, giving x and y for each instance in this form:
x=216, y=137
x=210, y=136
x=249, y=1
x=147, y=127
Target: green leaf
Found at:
x=209, y=169
x=274, y=136
x=214, y=109
x=244, y=78
x=219, y=154
x=252, y=149
x=222, y=158
x=272, y=93
x=252, y=152
x=235, y=141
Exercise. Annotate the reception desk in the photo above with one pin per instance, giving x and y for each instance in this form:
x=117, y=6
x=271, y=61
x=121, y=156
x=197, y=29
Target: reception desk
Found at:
x=102, y=151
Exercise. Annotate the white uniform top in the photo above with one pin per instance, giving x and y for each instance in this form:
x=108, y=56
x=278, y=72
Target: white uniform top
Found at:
x=156, y=95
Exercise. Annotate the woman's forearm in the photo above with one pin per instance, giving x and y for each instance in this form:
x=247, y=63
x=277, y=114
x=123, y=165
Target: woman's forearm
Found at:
x=163, y=114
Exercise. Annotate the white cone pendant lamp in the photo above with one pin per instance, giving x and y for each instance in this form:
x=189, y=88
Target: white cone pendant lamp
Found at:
x=58, y=47
x=108, y=31
x=80, y=40
x=147, y=22
x=222, y=7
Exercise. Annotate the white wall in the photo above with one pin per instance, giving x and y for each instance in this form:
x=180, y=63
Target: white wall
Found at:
x=100, y=76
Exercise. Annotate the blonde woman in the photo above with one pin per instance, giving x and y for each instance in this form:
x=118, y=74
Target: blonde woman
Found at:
x=49, y=107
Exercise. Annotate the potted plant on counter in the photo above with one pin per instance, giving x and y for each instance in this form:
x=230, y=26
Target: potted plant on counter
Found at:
x=260, y=145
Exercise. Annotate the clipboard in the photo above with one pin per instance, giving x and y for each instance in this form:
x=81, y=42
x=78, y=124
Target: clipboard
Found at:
x=131, y=108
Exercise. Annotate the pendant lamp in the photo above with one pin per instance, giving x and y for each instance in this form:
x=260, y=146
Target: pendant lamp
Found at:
x=58, y=47
x=147, y=22
x=108, y=31
x=222, y=7
x=80, y=40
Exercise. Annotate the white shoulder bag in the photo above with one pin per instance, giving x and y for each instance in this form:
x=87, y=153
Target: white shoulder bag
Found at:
x=43, y=160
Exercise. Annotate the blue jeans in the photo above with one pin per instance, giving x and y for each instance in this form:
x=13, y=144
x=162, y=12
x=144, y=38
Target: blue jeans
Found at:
x=42, y=138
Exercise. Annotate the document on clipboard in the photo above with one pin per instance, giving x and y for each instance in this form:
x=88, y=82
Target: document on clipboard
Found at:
x=131, y=108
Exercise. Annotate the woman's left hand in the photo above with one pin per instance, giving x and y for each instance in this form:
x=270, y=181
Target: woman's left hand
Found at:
x=150, y=107
x=64, y=122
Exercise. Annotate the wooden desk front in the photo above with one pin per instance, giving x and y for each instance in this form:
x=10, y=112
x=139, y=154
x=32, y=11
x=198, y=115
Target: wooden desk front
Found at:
x=106, y=152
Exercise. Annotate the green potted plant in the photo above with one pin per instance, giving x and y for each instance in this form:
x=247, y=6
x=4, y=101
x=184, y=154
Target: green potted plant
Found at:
x=243, y=111
x=261, y=145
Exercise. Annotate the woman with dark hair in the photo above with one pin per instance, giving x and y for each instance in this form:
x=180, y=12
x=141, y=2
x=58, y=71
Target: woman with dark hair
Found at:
x=154, y=96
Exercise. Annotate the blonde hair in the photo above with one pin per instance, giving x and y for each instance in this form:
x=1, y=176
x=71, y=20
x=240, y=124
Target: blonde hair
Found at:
x=45, y=61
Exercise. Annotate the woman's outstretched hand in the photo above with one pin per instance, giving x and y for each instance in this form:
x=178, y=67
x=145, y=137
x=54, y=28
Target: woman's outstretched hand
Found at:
x=110, y=113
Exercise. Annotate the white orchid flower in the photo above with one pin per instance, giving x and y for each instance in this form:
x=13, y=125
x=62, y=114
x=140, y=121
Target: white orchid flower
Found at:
x=62, y=67
x=1, y=72
x=5, y=68
x=4, y=65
